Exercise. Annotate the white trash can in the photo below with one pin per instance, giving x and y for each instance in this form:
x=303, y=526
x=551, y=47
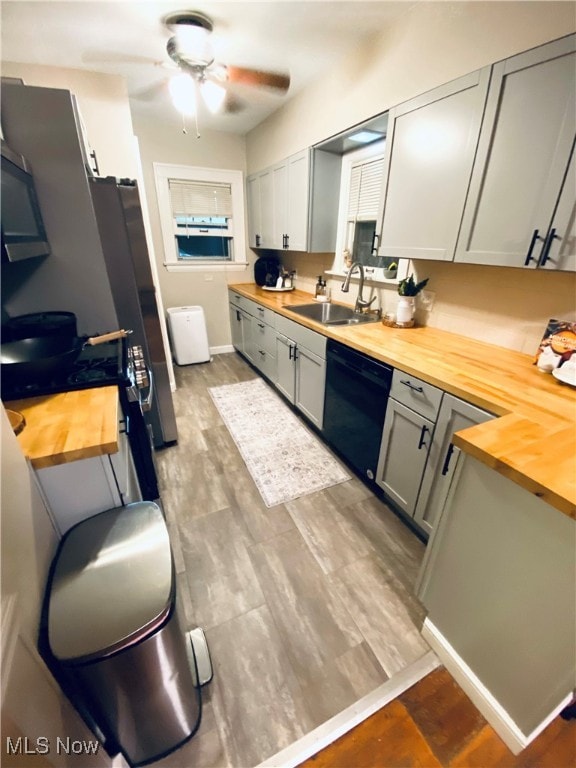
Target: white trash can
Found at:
x=188, y=336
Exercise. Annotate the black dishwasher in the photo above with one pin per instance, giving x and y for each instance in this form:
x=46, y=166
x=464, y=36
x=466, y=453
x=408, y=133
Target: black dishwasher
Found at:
x=357, y=389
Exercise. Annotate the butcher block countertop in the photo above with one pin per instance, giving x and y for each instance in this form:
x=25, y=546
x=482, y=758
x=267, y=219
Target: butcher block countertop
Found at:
x=68, y=426
x=533, y=442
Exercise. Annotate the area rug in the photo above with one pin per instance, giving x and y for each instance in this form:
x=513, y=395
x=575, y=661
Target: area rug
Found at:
x=286, y=460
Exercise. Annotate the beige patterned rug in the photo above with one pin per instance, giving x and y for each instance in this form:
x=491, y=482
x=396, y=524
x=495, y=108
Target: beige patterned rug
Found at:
x=284, y=457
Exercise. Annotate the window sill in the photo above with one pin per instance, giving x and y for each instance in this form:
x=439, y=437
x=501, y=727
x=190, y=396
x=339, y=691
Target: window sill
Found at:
x=375, y=278
x=207, y=266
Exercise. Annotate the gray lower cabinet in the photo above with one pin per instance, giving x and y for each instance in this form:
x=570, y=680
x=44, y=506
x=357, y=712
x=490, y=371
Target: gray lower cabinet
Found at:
x=241, y=327
x=406, y=439
x=301, y=367
x=417, y=456
x=405, y=444
x=454, y=415
x=520, y=206
x=253, y=333
x=79, y=489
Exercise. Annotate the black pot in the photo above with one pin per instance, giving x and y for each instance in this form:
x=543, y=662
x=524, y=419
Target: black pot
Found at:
x=39, y=325
x=28, y=361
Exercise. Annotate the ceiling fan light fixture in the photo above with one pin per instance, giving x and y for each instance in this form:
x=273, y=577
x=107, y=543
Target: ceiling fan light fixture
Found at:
x=183, y=93
x=193, y=44
x=213, y=95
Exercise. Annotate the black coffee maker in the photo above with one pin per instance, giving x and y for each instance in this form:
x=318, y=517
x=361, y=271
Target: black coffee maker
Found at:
x=267, y=271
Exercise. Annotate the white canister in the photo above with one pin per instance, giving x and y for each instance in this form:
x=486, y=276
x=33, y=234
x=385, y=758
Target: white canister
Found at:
x=406, y=309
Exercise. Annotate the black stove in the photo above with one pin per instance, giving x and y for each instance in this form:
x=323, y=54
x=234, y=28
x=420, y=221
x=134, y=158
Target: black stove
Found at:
x=100, y=365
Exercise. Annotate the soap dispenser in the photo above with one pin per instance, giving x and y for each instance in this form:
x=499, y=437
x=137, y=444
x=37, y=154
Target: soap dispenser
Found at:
x=321, y=292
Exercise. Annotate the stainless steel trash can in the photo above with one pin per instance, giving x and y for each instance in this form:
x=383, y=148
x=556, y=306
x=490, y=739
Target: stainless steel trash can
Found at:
x=188, y=334
x=111, y=634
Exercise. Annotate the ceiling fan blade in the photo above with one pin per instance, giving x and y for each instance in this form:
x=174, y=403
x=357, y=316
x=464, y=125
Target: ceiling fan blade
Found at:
x=115, y=57
x=232, y=104
x=258, y=78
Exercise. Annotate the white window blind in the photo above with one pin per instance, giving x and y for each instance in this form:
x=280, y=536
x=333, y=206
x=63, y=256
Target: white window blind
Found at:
x=365, y=185
x=198, y=198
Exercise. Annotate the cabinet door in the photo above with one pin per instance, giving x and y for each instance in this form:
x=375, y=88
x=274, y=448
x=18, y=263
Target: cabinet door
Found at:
x=405, y=444
x=254, y=212
x=429, y=156
x=523, y=154
x=297, y=201
x=560, y=250
x=236, y=327
x=280, y=205
x=79, y=490
x=248, y=345
x=310, y=382
x=285, y=368
x=266, y=209
x=455, y=414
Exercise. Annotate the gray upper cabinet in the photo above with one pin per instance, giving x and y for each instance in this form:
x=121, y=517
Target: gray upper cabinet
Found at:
x=432, y=140
x=293, y=205
x=255, y=211
x=259, y=193
x=520, y=207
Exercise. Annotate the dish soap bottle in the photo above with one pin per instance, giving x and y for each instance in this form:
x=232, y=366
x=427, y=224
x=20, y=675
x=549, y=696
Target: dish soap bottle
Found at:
x=321, y=292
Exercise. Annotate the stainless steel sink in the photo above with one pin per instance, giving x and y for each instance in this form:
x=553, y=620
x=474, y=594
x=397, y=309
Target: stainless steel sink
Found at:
x=332, y=314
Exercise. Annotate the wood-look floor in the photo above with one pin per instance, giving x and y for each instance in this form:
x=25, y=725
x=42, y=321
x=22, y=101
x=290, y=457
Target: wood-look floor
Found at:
x=435, y=725
x=306, y=606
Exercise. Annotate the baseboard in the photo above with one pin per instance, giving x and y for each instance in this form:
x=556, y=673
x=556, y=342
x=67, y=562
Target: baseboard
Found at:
x=344, y=721
x=222, y=349
x=485, y=702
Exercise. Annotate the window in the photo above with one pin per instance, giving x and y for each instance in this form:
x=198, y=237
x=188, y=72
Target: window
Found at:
x=202, y=217
x=362, y=172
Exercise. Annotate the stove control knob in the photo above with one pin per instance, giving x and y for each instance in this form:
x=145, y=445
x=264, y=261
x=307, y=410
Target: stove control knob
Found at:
x=142, y=380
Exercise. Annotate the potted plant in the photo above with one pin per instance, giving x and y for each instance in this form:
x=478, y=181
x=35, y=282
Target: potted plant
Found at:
x=408, y=289
x=391, y=271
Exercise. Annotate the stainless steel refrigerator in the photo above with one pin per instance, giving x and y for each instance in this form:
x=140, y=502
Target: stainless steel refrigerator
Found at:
x=123, y=239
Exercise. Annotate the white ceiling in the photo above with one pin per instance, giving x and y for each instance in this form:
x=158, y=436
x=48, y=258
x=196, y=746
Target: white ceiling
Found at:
x=128, y=38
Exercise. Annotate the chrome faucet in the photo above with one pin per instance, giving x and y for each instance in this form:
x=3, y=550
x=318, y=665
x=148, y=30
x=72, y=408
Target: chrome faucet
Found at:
x=360, y=303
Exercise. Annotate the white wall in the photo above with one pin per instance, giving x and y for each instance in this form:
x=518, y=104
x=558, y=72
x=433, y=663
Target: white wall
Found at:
x=162, y=141
x=103, y=104
x=432, y=43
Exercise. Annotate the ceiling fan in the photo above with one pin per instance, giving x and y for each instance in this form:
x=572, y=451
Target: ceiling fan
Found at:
x=191, y=52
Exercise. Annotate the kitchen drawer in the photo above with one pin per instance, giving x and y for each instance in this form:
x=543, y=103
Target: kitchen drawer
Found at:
x=263, y=314
x=266, y=363
x=313, y=341
x=264, y=336
x=422, y=397
x=240, y=301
